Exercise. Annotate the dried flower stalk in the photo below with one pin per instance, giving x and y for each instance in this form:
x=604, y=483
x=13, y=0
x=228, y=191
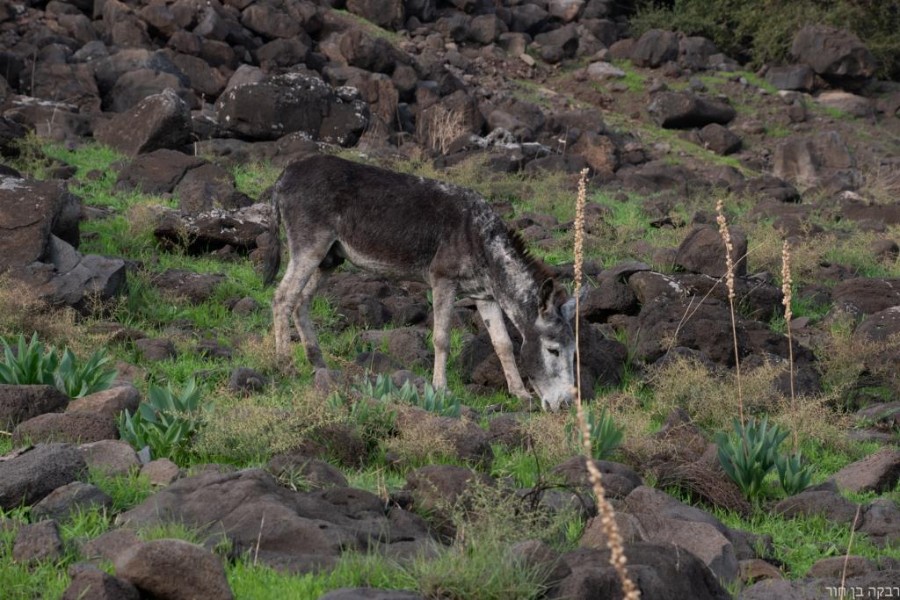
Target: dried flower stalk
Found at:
x=729, y=282
x=604, y=509
x=786, y=285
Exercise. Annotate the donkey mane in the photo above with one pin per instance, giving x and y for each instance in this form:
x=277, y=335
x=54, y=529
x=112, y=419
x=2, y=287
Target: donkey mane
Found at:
x=538, y=268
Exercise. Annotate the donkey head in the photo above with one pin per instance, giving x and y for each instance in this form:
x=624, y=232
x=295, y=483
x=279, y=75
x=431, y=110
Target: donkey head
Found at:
x=548, y=350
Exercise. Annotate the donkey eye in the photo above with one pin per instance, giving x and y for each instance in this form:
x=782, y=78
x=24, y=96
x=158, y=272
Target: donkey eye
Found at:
x=553, y=351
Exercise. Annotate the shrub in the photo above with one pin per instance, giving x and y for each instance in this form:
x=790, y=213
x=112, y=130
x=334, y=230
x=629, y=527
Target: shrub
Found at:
x=441, y=402
x=748, y=457
x=34, y=364
x=793, y=474
x=374, y=419
x=251, y=430
x=746, y=30
x=165, y=423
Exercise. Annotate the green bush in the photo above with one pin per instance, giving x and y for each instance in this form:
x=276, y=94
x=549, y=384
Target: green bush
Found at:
x=374, y=419
x=746, y=29
x=793, y=474
x=441, y=402
x=165, y=423
x=748, y=456
x=34, y=364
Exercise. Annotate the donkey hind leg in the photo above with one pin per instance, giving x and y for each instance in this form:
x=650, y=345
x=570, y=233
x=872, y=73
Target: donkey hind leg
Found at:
x=443, y=294
x=304, y=324
x=492, y=316
x=289, y=294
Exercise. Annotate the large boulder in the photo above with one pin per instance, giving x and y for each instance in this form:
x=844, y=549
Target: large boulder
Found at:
x=654, y=48
x=836, y=54
x=792, y=77
x=74, y=427
x=109, y=68
x=818, y=159
x=294, y=102
x=703, y=251
x=21, y=402
x=156, y=172
x=867, y=295
x=388, y=14
x=30, y=211
x=38, y=232
x=214, y=229
x=680, y=110
x=661, y=572
x=174, y=569
x=296, y=531
x=159, y=121
x=30, y=476
x=72, y=279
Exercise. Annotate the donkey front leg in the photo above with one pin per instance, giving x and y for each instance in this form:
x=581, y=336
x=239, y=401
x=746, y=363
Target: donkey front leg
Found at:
x=443, y=294
x=492, y=315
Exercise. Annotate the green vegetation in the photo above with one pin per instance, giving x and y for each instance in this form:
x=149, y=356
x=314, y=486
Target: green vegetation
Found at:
x=34, y=364
x=745, y=28
x=799, y=542
x=605, y=436
x=441, y=402
x=794, y=475
x=166, y=422
x=199, y=421
x=753, y=451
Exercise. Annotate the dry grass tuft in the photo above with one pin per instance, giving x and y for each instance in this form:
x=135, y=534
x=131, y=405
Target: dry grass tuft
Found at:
x=636, y=422
x=258, y=352
x=708, y=396
x=815, y=420
x=704, y=483
x=440, y=127
x=881, y=183
x=845, y=358
x=143, y=219
x=420, y=442
x=21, y=311
x=253, y=429
x=547, y=433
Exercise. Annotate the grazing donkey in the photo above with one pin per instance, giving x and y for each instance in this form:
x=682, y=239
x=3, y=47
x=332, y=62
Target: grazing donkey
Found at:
x=414, y=228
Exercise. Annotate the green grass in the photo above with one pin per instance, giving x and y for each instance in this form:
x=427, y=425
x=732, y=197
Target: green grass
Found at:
x=801, y=542
x=633, y=80
x=257, y=582
x=524, y=467
x=255, y=178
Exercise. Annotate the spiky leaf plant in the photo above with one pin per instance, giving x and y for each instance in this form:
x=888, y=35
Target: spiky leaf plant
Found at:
x=606, y=436
x=35, y=364
x=440, y=402
x=748, y=456
x=166, y=423
x=792, y=473
x=30, y=364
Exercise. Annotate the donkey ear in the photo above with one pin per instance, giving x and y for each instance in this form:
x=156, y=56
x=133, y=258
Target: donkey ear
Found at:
x=568, y=309
x=547, y=296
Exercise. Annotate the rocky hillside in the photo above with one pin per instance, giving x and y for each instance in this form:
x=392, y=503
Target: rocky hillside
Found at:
x=138, y=143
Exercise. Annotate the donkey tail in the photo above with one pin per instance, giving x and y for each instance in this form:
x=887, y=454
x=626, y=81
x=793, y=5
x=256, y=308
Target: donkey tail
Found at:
x=269, y=243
